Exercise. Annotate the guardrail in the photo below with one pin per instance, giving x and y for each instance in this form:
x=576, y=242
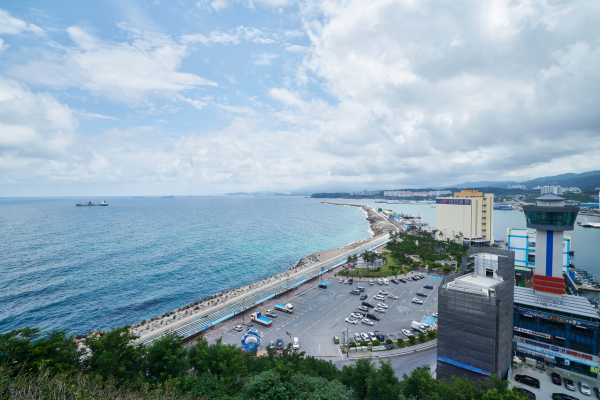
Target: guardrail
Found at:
x=208, y=318
x=397, y=352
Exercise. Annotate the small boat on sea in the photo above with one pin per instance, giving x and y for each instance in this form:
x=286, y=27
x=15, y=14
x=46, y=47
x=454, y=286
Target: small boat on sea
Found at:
x=168, y=197
x=90, y=204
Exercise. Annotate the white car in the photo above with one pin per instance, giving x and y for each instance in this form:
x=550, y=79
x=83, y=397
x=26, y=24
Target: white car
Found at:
x=296, y=344
x=238, y=328
x=434, y=315
x=379, y=297
x=392, y=296
x=356, y=315
x=341, y=281
x=407, y=333
x=383, y=293
x=415, y=300
x=584, y=388
x=351, y=321
x=379, y=281
x=367, y=321
x=380, y=310
x=371, y=282
x=345, y=281
x=383, y=305
x=372, y=336
x=365, y=337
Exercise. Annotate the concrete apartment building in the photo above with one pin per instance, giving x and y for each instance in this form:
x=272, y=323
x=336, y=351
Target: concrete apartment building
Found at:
x=469, y=212
x=475, y=321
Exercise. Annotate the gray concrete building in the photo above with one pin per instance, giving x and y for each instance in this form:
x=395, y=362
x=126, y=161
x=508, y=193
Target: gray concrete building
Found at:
x=475, y=318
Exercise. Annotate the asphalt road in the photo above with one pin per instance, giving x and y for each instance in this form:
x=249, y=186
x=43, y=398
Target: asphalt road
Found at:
x=402, y=364
x=319, y=315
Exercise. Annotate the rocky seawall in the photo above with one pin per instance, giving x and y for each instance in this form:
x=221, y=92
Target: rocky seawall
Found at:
x=379, y=226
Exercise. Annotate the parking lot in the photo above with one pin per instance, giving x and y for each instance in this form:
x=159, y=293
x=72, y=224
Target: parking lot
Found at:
x=319, y=315
x=547, y=388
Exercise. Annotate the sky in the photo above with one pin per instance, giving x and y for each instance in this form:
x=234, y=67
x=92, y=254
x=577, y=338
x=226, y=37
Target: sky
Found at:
x=155, y=97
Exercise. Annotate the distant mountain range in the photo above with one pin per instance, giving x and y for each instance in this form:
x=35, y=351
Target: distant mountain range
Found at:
x=585, y=181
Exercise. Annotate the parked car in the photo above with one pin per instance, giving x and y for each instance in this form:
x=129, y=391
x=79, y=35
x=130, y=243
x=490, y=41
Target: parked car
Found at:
x=569, y=384
x=556, y=379
x=272, y=343
x=336, y=340
x=367, y=304
x=279, y=344
x=356, y=292
x=238, y=328
x=372, y=336
x=373, y=316
x=271, y=314
x=379, y=281
x=428, y=287
x=296, y=344
x=584, y=388
x=379, y=336
x=392, y=296
x=379, y=297
x=363, y=308
x=351, y=321
x=380, y=310
x=383, y=305
x=383, y=293
x=407, y=333
x=365, y=337
x=417, y=301
x=341, y=281
x=434, y=315
x=360, y=288
x=529, y=394
x=371, y=282
x=367, y=321
x=357, y=314
x=528, y=380
x=357, y=338
x=596, y=392
x=403, y=280
x=363, y=296
x=396, y=281
x=345, y=280
x=421, y=294
x=562, y=396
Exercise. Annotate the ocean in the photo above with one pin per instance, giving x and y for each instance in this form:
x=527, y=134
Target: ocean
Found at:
x=84, y=268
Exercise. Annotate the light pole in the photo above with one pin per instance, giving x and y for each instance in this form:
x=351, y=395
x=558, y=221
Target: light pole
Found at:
x=347, y=343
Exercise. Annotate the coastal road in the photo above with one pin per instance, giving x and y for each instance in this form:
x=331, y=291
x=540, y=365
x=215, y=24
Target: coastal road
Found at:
x=319, y=315
x=403, y=364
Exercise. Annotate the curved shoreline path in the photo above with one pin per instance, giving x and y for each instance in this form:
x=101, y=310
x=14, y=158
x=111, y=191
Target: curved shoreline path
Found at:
x=205, y=319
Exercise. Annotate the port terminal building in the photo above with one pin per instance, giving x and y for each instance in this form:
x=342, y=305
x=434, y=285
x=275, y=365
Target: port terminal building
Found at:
x=468, y=212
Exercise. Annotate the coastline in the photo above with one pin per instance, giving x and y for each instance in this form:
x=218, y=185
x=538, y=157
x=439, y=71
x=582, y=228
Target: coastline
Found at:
x=378, y=226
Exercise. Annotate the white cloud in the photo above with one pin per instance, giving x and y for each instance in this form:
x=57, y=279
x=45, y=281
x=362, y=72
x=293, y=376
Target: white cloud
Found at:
x=264, y=59
x=142, y=69
x=3, y=46
x=15, y=26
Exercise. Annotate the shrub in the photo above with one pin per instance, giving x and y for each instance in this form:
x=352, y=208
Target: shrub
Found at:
x=400, y=343
x=352, y=344
x=363, y=343
x=432, y=334
x=421, y=336
x=376, y=342
x=412, y=339
x=389, y=341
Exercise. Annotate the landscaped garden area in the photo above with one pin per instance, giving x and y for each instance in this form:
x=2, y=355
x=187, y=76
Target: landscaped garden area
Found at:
x=406, y=251
x=400, y=343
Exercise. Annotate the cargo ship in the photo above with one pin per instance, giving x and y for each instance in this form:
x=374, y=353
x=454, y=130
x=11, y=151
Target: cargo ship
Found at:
x=90, y=204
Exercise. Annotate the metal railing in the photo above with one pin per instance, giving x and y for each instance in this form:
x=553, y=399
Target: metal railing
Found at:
x=206, y=318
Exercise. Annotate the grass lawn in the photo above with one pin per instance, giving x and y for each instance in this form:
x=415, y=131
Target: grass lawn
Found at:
x=384, y=271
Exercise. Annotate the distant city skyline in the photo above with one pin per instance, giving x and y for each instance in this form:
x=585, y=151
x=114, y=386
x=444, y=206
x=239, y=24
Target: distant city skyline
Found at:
x=219, y=96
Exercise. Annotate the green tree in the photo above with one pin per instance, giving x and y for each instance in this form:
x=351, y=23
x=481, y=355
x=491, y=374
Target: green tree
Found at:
x=355, y=376
x=226, y=362
x=382, y=383
x=114, y=355
x=27, y=348
x=166, y=358
x=412, y=339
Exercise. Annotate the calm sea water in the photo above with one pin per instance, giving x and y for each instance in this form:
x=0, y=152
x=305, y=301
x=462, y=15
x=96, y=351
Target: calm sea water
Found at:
x=84, y=268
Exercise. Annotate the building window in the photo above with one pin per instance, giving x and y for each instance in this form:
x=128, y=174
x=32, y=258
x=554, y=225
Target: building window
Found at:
x=531, y=258
x=532, y=245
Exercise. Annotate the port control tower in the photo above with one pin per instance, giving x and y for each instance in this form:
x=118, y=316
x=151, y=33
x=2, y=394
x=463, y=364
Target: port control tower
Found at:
x=550, y=217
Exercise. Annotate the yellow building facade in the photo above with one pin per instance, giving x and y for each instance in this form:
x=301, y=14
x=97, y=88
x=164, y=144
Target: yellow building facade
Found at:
x=468, y=213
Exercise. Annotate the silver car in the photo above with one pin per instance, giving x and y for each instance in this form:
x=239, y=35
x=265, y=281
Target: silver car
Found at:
x=383, y=305
x=372, y=336
x=380, y=310
x=406, y=332
x=585, y=388
x=351, y=321
x=365, y=337
x=417, y=301
x=393, y=296
x=367, y=321
x=357, y=315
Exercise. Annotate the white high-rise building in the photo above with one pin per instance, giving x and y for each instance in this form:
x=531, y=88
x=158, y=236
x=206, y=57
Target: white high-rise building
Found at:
x=557, y=190
x=469, y=212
